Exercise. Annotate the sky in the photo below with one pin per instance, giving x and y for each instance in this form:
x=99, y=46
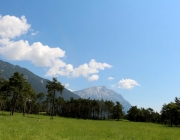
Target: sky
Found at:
x=131, y=47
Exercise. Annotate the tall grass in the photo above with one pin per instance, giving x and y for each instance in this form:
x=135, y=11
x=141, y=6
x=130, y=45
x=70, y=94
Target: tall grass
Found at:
x=34, y=127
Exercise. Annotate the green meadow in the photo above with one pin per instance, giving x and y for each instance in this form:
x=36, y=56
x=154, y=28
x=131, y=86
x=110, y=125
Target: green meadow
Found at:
x=39, y=127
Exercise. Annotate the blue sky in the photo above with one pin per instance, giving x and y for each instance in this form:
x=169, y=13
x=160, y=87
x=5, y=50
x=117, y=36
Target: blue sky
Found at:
x=131, y=47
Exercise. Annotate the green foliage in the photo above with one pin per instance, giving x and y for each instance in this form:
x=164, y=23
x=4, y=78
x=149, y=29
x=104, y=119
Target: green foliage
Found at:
x=171, y=113
x=110, y=105
x=143, y=115
x=16, y=94
x=117, y=111
x=34, y=127
x=40, y=96
x=4, y=94
x=38, y=83
x=18, y=91
x=53, y=87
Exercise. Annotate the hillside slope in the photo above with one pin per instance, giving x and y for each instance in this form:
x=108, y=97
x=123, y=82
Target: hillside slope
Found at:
x=38, y=83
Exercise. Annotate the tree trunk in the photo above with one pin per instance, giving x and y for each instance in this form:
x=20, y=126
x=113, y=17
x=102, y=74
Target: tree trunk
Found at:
x=24, y=107
x=3, y=109
x=52, y=112
x=108, y=114
x=29, y=108
x=39, y=106
x=13, y=104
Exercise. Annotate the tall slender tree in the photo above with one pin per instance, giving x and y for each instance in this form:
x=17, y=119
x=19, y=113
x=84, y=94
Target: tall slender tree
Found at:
x=16, y=83
x=27, y=95
x=117, y=111
x=110, y=105
x=40, y=96
x=53, y=87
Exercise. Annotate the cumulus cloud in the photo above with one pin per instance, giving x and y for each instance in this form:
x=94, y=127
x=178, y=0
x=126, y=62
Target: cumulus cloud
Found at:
x=110, y=78
x=91, y=68
x=93, y=78
x=127, y=83
x=39, y=54
x=11, y=26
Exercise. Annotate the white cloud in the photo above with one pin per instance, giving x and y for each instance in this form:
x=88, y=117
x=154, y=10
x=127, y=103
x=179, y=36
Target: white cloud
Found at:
x=34, y=33
x=127, y=83
x=71, y=90
x=110, y=78
x=113, y=86
x=66, y=85
x=96, y=65
x=11, y=26
x=37, y=53
x=93, y=78
x=41, y=55
x=92, y=68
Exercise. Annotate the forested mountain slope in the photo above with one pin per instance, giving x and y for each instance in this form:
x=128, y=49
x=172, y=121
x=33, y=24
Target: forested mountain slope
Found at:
x=38, y=83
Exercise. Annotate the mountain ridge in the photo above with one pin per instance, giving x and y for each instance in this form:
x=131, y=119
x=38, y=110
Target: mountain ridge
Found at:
x=101, y=92
x=38, y=83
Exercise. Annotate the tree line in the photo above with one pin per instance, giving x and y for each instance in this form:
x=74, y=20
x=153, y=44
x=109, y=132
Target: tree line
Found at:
x=169, y=114
x=16, y=94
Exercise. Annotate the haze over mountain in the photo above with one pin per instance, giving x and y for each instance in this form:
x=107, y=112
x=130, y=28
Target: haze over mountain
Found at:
x=101, y=92
x=38, y=83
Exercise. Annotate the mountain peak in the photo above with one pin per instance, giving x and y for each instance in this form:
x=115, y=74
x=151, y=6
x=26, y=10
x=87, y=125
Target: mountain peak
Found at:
x=101, y=92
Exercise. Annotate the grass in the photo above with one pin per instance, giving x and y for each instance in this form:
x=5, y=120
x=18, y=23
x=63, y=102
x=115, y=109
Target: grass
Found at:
x=34, y=127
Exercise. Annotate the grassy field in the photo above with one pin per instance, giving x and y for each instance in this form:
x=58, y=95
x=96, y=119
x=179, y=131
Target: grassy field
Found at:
x=34, y=127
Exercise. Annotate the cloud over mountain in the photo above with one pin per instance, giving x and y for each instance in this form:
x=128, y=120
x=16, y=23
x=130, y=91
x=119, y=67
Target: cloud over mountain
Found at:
x=41, y=55
x=91, y=68
x=127, y=83
x=93, y=78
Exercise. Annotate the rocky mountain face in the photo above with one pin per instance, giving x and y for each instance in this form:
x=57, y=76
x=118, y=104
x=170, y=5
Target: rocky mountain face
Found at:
x=38, y=83
x=101, y=92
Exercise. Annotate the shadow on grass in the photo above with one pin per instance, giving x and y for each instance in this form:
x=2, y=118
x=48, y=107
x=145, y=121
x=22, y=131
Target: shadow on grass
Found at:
x=4, y=114
x=33, y=117
x=168, y=126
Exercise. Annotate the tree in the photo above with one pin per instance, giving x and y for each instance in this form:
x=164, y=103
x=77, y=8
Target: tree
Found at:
x=177, y=102
x=150, y=113
x=53, y=87
x=170, y=113
x=4, y=93
x=16, y=83
x=27, y=95
x=133, y=113
x=110, y=106
x=40, y=96
x=117, y=111
x=95, y=109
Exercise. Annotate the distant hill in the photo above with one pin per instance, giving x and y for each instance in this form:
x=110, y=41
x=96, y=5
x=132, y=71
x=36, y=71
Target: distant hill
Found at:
x=38, y=83
x=101, y=92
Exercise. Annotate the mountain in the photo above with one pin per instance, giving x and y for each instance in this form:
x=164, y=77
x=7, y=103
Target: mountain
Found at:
x=101, y=92
x=38, y=83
